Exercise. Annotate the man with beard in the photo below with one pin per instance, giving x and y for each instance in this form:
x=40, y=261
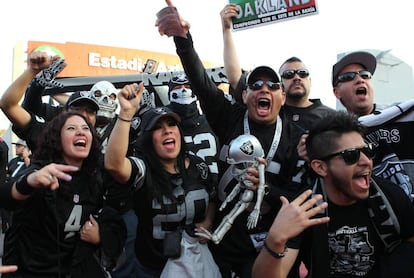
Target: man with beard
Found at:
x=299, y=108
x=364, y=224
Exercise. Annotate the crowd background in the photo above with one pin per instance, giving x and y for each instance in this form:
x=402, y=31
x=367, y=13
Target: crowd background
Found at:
x=267, y=62
x=311, y=33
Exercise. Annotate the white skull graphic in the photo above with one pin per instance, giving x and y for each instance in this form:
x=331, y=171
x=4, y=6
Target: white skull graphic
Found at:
x=106, y=95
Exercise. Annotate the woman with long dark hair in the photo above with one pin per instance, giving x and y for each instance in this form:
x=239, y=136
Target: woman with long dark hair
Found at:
x=174, y=191
x=59, y=225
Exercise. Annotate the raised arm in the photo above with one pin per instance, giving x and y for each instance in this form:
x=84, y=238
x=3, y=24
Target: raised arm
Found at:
x=116, y=161
x=9, y=102
x=211, y=98
x=231, y=60
x=32, y=101
x=292, y=219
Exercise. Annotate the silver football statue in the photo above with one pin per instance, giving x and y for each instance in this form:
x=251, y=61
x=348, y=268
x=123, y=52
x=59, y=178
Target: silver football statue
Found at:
x=243, y=153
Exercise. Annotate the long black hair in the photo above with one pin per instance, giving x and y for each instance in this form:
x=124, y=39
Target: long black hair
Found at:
x=157, y=178
x=50, y=149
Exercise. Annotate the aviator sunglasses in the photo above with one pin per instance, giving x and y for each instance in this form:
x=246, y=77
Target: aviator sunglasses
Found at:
x=351, y=156
x=257, y=85
x=349, y=76
x=289, y=74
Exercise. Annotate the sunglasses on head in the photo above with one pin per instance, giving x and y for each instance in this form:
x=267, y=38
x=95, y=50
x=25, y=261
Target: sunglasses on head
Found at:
x=180, y=79
x=351, y=156
x=257, y=85
x=289, y=74
x=349, y=76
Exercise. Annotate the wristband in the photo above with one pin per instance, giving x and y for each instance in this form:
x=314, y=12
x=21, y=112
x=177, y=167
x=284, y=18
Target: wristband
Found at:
x=273, y=253
x=124, y=120
x=23, y=187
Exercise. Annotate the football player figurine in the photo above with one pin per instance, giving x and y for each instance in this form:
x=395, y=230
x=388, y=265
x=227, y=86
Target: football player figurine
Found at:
x=243, y=153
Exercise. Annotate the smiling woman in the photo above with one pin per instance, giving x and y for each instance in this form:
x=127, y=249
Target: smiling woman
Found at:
x=174, y=190
x=60, y=221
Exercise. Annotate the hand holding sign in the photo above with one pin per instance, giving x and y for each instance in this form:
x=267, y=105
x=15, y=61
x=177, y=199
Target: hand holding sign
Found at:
x=170, y=23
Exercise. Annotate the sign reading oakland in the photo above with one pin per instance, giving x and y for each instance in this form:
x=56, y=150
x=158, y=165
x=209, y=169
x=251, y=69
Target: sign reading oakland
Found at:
x=253, y=13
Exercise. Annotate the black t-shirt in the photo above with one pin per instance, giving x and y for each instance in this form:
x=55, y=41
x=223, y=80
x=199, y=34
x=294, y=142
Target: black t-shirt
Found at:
x=305, y=117
x=352, y=237
x=31, y=132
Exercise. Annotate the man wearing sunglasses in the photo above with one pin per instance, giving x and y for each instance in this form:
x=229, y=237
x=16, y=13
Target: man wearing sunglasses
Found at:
x=298, y=107
x=351, y=82
x=392, y=132
x=258, y=115
x=361, y=227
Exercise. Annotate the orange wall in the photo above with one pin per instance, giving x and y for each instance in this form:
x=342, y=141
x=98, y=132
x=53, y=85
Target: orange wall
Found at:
x=95, y=60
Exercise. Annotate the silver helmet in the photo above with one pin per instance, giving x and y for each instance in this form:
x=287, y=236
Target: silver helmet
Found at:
x=242, y=154
x=106, y=94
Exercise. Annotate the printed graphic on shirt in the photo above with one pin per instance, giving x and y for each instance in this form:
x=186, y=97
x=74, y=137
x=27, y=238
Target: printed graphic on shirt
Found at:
x=350, y=250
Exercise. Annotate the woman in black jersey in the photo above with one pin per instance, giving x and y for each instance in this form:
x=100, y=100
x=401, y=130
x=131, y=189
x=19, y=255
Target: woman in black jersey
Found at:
x=59, y=225
x=174, y=191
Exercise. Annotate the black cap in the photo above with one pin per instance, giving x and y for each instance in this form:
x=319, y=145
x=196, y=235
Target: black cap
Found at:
x=365, y=59
x=257, y=72
x=151, y=116
x=177, y=79
x=82, y=97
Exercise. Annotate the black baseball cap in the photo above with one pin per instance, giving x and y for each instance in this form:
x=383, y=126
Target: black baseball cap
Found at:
x=82, y=97
x=365, y=59
x=177, y=79
x=257, y=72
x=151, y=116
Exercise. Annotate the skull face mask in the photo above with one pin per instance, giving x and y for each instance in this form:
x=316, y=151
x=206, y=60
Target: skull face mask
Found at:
x=179, y=91
x=243, y=153
x=105, y=93
x=182, y=96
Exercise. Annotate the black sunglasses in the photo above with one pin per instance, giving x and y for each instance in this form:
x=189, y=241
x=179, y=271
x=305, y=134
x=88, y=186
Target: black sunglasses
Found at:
x=351, y=156
x=349, y=76
x=257, y=85
x=289, y=74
